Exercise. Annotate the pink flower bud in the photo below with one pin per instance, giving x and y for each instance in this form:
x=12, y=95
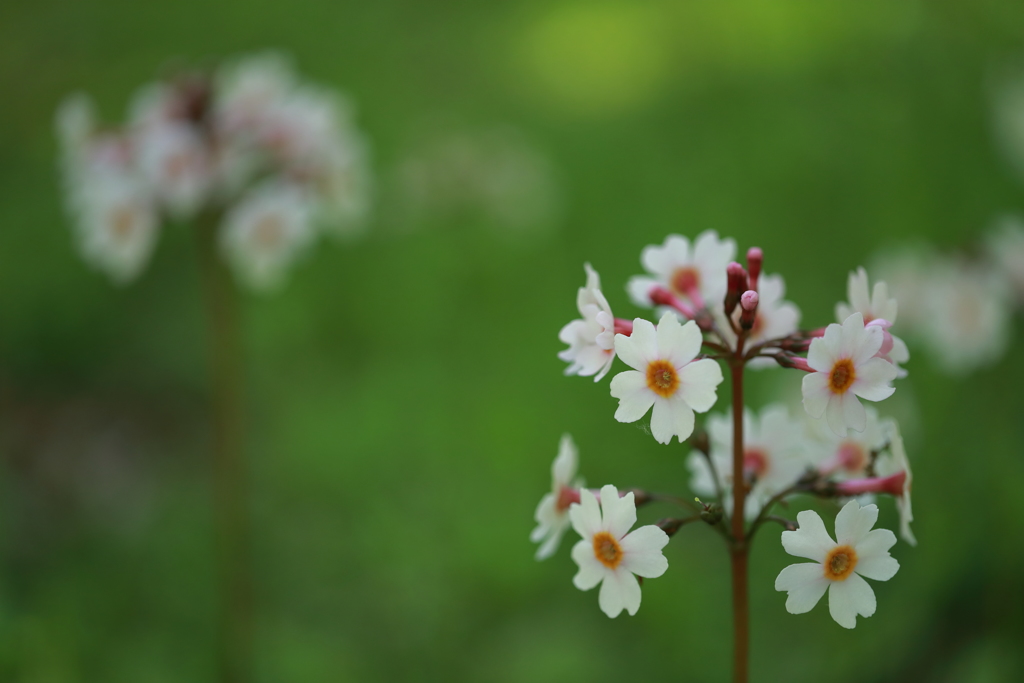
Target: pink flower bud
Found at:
x=755, y=259
x=749, y=300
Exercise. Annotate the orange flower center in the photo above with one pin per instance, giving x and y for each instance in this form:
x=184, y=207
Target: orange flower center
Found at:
x=662, y=378
x=842, y=376
x=685, y=280
x=607, y=549
x=839, y=563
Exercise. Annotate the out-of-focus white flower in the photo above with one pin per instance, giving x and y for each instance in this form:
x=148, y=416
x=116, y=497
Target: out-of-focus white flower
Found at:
x=265, y=233
x=1005, y=246
x=665, y=376
x=174, y=160
x=907, y=271
x=591, y=339
x=774, y=456
x=610, y=554
x=837, y=567
x=76, y=123
x=845, y=367
x=968, y=316
x=893, y=462
x=247, y=89
x=875, y=307
x=116, y=223
x=775, y=318
x=695, y=273
x=552, y=513
x=846, y=457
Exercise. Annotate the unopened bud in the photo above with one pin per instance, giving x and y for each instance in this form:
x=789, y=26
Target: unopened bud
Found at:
x=789, y=361
x=700, y=441
x=670, y=525
x=737, y=284
x=795, y=345
x=712, y=514
x=748, y=302
x=755, y=259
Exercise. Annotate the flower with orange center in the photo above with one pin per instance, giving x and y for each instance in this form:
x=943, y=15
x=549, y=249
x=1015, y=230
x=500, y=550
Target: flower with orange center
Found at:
x=839, y=568
x=845, y=367
x=876, y=306
x=610, y=554
x=591, y=338
x=693, y=272
x=665, y=377
x=552, y=514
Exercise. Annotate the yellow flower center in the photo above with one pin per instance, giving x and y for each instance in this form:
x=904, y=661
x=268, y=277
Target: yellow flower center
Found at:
x=607, y=550
x=839, y=563
x=842, y=376
x=662, y=378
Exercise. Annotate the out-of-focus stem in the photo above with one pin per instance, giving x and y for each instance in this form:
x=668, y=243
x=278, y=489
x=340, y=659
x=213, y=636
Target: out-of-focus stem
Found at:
x=228, y=463
x=739, y=547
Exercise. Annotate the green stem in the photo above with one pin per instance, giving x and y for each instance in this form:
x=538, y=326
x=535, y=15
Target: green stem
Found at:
x=228, y=462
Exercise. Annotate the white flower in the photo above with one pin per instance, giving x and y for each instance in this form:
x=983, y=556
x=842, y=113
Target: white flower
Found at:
x=846, y=457
x=685, y=270
x=552, y=513
x=609, y=554
x=115, y=222
x=775, y=318
x=265, y=232
x=845, y=368
x=1005, y=246
x=246, y=90
x=591, y=339
x=876, y=306
x=666, y=376
x=837, y=567
x=774, y=456
x=76, y=122
x=173, y=158
x=894, y=462
x=969, y=315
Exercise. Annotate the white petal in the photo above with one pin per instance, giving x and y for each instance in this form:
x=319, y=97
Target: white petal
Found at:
x=545, y=517
x=682, y=418
x=819, y=355
x=873, y=377
x=806, y=583
x=662, y=425
x=854, y=522
x=875, y=544
x=810, y=540
x=851, y=336
x=563, y=469
x=642, y=549
x=619, y=591
x=698, y=384
x=635, y=399
x=638, y=289
x=878, y=568
x=866, y=343
x=853, y=412
x=640, y=347
x=586, y=515
x=591, y=571
x=847, y=599
x=678, y=343
x=661, y=260
x=619, y=513
x=550, y=545
x=834, y=415
x=857, y=290
x=816, y=393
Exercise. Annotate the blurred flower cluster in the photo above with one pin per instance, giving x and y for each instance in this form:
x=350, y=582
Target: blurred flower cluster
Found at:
x=959, y=306
x=270, y=160
x=716, y=313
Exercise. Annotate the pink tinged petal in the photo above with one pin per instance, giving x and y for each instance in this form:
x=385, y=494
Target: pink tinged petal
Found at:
x=639, y=288
x=873, y=379
x=819, y=356
x=642, y=551
x=877, y=568
x=853, y=412
x=619, y=591
x=662, y=427
x=586, y=515
x=816, y=393
x=847, y=599
x=834, y=415
x=854, y=522
x=873, y=545
x=619, y=513
x=676, y=342
x=639, y=348
x=805, y=583
x=635, y=399
x=810, y=540
x=591, y=571
x=698, y=384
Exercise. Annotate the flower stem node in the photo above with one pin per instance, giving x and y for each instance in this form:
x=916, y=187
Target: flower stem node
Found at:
x=712, y=514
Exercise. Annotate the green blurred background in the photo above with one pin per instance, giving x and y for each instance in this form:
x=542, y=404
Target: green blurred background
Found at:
x=404, y=396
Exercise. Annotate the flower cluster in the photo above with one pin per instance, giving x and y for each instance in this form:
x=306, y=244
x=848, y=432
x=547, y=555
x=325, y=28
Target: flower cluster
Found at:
x=271, y=159
x=714, y=313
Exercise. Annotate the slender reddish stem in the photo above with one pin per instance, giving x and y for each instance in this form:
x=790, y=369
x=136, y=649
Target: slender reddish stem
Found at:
x=739, y=548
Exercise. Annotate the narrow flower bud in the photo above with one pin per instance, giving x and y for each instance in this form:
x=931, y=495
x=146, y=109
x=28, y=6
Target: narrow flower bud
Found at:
x=670, y=525
x=623, y=326
x=789, y=361
x=737, y=279
x=662, y=297
x=755, y=259
x=749, y=304
x=893, y=485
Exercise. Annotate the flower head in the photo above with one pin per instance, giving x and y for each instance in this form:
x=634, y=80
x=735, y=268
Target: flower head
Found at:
x=552, y=513
x=694, y=272
x=665, y=376
x=845, y=367
x=837, y=567
x=878, y=309
x=610, y=554
x=591, y=339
